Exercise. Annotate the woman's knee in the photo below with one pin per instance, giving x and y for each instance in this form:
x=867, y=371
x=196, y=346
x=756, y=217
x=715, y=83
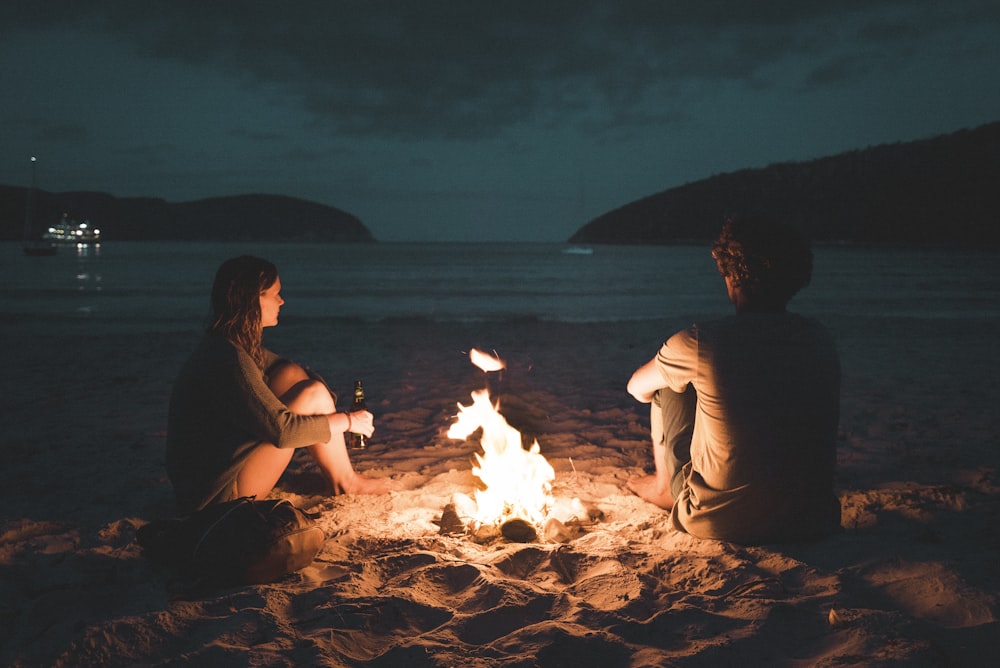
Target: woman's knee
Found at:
x=310, y=397
x=284, y=376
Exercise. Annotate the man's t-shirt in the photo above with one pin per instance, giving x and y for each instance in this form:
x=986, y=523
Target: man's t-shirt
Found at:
x=764, y=446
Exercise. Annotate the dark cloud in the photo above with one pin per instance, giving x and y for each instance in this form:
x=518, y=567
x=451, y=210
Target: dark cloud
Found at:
x=838, y=69
x=465, y=115
x=255, y=135
x=147, y=153
x=46, y=130
x=470, y=69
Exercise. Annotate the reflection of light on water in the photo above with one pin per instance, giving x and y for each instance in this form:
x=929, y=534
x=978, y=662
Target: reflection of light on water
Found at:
x=85, y=279
x=88, y=250
x=88, y=282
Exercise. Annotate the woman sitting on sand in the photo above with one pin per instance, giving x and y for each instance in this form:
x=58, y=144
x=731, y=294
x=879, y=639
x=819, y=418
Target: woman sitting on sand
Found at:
x=238, y=411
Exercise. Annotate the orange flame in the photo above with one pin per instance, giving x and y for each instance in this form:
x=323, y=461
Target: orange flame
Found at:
x=518, y=482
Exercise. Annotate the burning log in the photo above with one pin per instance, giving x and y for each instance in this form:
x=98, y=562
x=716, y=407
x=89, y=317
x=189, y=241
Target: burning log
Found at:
x=565, y=524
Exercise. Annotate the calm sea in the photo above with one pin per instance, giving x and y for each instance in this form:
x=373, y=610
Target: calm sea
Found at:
x=164, y=284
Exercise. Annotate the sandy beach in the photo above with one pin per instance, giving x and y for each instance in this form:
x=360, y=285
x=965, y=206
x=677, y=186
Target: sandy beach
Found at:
x=912, y=580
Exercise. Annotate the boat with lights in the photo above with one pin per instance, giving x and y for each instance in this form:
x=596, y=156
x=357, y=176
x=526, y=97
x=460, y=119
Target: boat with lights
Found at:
x=69, y=231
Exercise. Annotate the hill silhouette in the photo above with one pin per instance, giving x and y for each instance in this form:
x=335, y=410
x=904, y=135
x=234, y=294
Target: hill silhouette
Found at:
x=235, y=218
x=940, y=192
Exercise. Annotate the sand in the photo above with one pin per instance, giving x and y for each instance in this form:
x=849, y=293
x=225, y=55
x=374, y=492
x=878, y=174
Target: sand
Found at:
x=912, y=579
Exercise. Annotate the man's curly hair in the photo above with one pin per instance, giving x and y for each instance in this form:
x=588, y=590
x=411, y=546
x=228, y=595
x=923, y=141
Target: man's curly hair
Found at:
x=768, y=261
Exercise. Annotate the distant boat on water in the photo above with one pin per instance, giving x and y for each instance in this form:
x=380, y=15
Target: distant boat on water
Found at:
x=578, y=250
x=69, y=231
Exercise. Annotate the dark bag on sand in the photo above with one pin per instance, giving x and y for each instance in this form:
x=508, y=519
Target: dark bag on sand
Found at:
x=236, y=542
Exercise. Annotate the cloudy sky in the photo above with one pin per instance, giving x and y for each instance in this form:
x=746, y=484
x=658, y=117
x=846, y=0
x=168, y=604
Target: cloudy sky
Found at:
x=472, y=120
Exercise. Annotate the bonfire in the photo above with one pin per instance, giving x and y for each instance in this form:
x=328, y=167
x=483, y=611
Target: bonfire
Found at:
x=516, y=494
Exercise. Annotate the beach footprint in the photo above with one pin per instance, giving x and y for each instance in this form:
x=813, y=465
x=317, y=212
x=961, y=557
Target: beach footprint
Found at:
x=932, y=592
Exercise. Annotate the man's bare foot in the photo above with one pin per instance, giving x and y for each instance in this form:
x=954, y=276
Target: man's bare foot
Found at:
x=648, y=488
x=359, y=484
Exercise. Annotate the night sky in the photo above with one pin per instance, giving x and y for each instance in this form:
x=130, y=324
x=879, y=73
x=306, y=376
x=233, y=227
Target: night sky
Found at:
x=471, y=121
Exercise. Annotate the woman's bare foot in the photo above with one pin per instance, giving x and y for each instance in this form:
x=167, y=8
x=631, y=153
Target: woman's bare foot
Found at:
x=648, y=488
x=359, y=484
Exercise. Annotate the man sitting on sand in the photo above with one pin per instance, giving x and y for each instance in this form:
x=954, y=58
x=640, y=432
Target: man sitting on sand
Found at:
x=745, y=408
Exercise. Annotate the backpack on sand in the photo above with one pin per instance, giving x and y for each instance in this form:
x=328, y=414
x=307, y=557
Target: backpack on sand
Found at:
x=244, y=541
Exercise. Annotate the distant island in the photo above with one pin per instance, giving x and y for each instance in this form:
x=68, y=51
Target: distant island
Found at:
x=942, y=192
x=235, y=218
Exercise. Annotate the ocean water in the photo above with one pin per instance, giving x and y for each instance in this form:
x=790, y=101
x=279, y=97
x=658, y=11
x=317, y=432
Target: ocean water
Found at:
x=159, y=284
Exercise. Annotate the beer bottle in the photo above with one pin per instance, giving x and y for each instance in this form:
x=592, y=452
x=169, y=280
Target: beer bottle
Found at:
x=355, y=440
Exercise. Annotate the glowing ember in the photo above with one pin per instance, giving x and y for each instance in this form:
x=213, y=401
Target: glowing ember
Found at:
x=518, y=482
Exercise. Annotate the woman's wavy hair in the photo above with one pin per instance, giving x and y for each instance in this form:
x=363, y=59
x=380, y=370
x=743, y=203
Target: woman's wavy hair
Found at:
x=236, y=292
x=770, y=262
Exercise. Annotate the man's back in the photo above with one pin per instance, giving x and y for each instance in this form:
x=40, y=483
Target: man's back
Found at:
x=763, y=449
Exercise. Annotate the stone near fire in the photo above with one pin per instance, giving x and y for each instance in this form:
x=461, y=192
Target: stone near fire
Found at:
x=555, y=531
x=518, y=530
